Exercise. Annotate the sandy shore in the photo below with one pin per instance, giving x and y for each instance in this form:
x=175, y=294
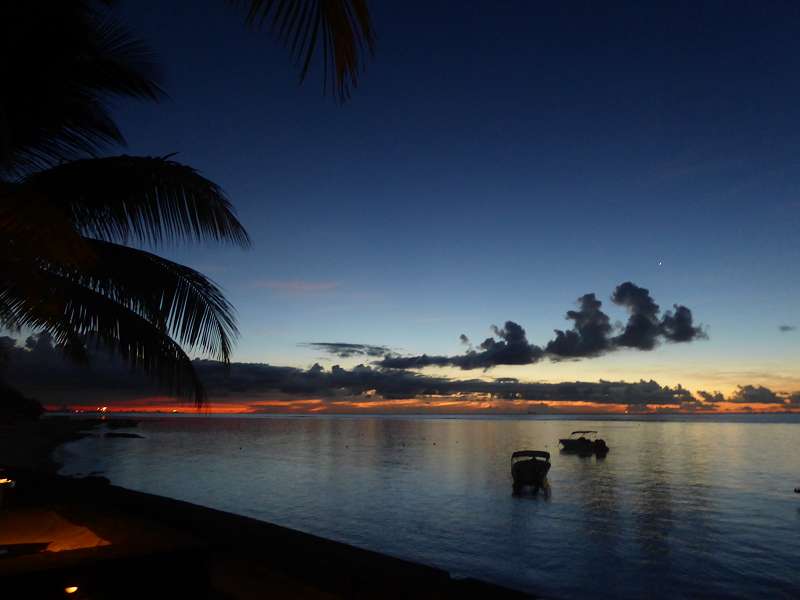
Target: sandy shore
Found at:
x=67, y=530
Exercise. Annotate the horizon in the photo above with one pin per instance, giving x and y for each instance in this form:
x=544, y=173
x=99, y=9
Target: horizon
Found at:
x=220, y=410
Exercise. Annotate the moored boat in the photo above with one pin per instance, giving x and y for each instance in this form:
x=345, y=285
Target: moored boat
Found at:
x=584, y=443
x=529, y=468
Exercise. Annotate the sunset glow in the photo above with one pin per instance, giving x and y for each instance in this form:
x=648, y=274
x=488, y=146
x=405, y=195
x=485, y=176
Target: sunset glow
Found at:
x=168, y=405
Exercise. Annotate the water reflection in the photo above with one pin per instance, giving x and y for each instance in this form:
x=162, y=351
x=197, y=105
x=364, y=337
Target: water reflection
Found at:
x=700, y=507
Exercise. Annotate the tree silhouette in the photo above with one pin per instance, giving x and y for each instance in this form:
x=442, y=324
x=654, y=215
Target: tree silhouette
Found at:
x=67, y=215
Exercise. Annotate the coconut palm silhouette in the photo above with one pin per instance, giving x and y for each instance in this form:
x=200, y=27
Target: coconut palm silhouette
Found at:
x=69, y=214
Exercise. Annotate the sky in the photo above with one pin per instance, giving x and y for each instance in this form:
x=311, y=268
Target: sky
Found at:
x=497, y=162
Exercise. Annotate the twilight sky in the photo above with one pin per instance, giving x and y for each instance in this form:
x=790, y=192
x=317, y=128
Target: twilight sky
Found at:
x=497, y=162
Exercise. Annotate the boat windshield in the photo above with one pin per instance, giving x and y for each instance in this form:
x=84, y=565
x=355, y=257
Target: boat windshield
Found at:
x=530, y=454
x=587, y=434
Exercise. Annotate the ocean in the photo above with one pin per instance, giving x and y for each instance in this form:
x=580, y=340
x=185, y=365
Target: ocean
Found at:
x=681, y=507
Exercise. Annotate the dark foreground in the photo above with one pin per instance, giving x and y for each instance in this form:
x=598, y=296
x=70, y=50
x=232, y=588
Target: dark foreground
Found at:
x=111, y=542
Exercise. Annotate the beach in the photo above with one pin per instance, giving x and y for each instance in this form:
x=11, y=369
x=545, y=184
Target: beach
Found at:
x=112, y=542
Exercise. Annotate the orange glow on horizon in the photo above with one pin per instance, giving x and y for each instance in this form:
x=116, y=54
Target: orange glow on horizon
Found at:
x=432, y=405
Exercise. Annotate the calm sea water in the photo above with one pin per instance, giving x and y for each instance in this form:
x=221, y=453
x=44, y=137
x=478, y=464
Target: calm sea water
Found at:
x=680, y=508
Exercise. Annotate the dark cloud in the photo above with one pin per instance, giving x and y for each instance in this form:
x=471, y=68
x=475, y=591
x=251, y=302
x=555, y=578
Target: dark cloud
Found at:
x=416, y=362
x=41, y=365
x=749, y=394
x=591, y=335
x=40, y=369
x=752, y=394
x=643, y=328
x=464, y=339
x=679, y=326
x=787, y=328
x=511, y=348
x=346, y=350
x=369, y=382
x=711, y=397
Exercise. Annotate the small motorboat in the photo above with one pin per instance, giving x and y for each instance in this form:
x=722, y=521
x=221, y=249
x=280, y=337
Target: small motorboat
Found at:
x=529, y=468
x=584, y=443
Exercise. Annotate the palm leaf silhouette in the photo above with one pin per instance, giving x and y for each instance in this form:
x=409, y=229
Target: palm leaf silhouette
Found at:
x=64, y=62
x=61, y=266
x=66, y=215
x=340, y=30
x=141, y=199
x=74, y=315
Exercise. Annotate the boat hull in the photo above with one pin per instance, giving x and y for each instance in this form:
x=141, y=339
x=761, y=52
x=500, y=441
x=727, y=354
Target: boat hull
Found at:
x=584, y=446
x=529, y=473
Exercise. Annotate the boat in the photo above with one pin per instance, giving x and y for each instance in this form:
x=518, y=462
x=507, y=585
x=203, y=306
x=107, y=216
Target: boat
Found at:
x=529, y=468
x=584, y=443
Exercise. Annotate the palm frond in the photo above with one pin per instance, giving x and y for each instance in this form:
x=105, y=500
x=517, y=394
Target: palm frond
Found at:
x=63, y=63
x=341, y=30
x=150, y=200
x=175, y=298
x=34, y=229
x=72, y=313
x=31, y=302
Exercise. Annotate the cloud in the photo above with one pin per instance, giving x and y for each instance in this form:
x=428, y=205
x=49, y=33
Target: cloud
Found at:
x=642, y=329
x=108, y=379
x=749, y=394
x=679, y=326
x=787, y=328
x=295, y=286
x=39, y=363
x=711, y=397
x=591, y=335
x=752, y=394
x=372, y=383
x=511, y=348
x=347, y=350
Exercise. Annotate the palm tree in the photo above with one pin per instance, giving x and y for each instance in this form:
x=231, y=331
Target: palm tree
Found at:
x=67, y=216
x=63, y=271
x=65, y=266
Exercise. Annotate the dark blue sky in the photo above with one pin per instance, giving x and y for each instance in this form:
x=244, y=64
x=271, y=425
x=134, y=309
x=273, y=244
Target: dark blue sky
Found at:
x=499, y=160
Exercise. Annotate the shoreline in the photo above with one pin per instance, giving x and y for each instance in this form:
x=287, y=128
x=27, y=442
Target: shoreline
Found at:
x=242, y=557
x=31, y=444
